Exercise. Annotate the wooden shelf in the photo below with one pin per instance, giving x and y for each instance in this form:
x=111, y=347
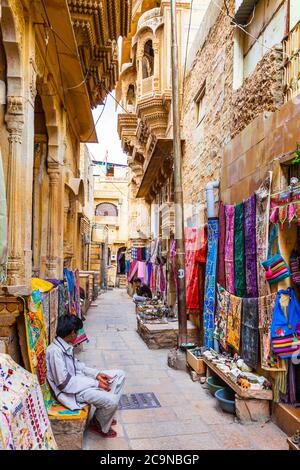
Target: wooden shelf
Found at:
x=257, y=394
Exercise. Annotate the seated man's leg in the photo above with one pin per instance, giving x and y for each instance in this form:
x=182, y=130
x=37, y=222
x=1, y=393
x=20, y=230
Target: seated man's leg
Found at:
x=106, y=404
x=139, y=298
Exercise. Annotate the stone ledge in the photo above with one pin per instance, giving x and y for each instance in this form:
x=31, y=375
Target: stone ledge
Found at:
x=164, y=336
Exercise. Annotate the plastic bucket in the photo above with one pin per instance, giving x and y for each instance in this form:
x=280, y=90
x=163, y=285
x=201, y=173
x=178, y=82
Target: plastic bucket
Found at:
x=214, y=384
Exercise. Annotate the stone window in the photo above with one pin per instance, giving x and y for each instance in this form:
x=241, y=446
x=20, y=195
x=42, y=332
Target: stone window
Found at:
x=107, y=209
x=200, y=104
x=148, y=60
x=130, y=99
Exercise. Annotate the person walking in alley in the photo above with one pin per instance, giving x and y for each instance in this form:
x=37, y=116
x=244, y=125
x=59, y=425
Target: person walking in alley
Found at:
x=75, y=385
x=143, y=292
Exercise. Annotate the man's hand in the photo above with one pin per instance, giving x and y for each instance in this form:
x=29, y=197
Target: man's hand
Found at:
x=104, y=381
x=105, y=377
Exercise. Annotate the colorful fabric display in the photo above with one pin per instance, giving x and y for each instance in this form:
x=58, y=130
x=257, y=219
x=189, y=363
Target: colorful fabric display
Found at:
x=285, y=330
x=275, y=266
x=134, y=253
x=262, y=223
x=220, y=330
x=141, y=270
x=133, y=269
x=239, y=252
x=250, y=246
x=269, y=361
x=222, y=237
x=41, y=285
x=295, y=267
x=234, y=322
x=54, y=294
x=191, y=241
x=250, y=333
x=229, y=248
x=24, y=422
x=210, y=282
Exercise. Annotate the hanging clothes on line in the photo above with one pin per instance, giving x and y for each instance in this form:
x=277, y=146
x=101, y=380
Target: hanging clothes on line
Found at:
x=239, y=252
x=222, y=238
x=229, y=248
x=250, y=246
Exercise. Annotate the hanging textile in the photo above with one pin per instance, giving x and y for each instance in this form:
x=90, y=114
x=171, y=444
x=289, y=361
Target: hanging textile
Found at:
x=221, y=317
x=53, y=313
x=133, y=269
x=61, y=300
x=37, y=341
x=234, y=322
x=239, y=252
x=191, y=268
x=24, y=422
x=45, y=297
x=3, y=227
x=229, y=249
x=250, y=333
x=262, y=221
x=269, y=361
x=141, y=270
x=210, y=282
x=250, y=246
x=149, y=268
x=221, y=256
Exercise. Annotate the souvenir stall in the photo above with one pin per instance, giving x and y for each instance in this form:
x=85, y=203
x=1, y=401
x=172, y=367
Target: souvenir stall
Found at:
x=251, y=312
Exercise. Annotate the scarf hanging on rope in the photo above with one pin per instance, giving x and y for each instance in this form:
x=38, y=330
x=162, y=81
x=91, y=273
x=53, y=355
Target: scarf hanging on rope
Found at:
x=239, y=252
x=229, y=249
x=262, y=222
x=222, y=235
x=234, y=322
x=250, y=246
x=221, y=317
x=250, y=333
x=210, y=282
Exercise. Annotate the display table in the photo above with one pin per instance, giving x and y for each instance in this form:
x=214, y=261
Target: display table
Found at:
x=164, y=335
x=254, y=394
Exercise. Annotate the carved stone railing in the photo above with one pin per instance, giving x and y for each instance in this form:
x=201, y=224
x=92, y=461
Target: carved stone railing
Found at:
x=291, y=80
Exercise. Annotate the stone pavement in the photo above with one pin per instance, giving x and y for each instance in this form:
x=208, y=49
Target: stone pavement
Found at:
x=189, y=418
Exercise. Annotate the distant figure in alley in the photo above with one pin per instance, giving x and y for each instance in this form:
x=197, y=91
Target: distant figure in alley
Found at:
x=142, y=291
x=75, y=385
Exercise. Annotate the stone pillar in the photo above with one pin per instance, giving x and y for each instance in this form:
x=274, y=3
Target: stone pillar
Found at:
x=35, y=216
x=156, y=77
x=14, y=123
x=139, y=58
x=54, y=206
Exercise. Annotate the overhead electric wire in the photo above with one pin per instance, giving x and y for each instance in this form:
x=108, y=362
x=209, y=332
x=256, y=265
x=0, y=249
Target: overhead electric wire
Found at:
x=246, y=32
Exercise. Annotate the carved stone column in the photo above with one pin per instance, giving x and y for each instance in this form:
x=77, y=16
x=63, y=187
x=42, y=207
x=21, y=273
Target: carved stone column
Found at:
x=156, y=77
x=139, y=58
x=14, y=123
x=54, y=207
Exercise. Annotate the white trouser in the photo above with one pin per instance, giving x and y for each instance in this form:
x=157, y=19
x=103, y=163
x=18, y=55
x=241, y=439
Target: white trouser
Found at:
x=139, y=298
x=106, y=403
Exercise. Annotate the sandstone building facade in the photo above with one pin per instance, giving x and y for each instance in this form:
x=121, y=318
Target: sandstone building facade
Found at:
x=58, y=61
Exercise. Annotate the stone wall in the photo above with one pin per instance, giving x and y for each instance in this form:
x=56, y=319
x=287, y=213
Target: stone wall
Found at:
x=227, y=112
x=262, y=91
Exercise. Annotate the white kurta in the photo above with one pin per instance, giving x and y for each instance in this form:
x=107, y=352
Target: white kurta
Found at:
x=75, y=385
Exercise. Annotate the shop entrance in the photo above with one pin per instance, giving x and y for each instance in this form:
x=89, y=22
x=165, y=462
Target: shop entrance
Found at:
x=121, y=260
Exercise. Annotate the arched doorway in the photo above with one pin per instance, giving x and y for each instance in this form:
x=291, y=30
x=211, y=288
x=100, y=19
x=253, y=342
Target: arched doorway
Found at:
x=121, y=260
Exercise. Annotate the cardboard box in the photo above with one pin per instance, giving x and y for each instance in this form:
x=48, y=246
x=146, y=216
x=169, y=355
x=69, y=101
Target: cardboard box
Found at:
x=197, y=364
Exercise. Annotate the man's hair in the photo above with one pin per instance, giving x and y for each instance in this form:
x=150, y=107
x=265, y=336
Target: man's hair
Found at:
x=137, y=280
x=67, y=324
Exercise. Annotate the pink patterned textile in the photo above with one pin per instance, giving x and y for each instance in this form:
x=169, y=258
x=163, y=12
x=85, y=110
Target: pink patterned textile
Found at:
x=229, y=249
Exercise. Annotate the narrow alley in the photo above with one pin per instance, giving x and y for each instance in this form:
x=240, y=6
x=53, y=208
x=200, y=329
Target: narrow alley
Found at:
x=189, y=417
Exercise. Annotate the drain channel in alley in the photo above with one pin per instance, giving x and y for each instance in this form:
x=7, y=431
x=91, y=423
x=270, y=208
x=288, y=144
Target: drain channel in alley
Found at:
x=188, y=417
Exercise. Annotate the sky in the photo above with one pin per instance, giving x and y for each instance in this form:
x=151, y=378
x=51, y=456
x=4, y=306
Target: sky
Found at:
x=107, y=134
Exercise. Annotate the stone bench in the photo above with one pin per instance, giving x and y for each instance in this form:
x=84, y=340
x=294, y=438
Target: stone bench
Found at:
x=68, y=431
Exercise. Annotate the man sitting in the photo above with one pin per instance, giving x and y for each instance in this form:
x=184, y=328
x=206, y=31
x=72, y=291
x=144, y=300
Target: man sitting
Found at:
x=143, y=292
x=75, y=385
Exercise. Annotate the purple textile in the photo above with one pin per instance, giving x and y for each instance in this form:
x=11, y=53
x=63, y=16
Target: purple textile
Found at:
x=250, y=246
x=150, y=267
x=229, y=249
x=221, y=254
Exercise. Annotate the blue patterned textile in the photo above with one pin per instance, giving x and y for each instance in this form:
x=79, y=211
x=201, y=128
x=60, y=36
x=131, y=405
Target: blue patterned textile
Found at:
x=210, y=282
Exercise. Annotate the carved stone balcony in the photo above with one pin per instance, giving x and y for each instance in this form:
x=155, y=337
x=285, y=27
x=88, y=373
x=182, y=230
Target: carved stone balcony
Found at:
x=291, y=80
x=127, y=126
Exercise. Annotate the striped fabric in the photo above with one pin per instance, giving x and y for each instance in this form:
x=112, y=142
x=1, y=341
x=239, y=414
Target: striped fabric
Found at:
x=286, y=346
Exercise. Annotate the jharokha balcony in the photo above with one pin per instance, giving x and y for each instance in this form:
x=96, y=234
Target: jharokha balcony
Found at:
x=291, y=46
